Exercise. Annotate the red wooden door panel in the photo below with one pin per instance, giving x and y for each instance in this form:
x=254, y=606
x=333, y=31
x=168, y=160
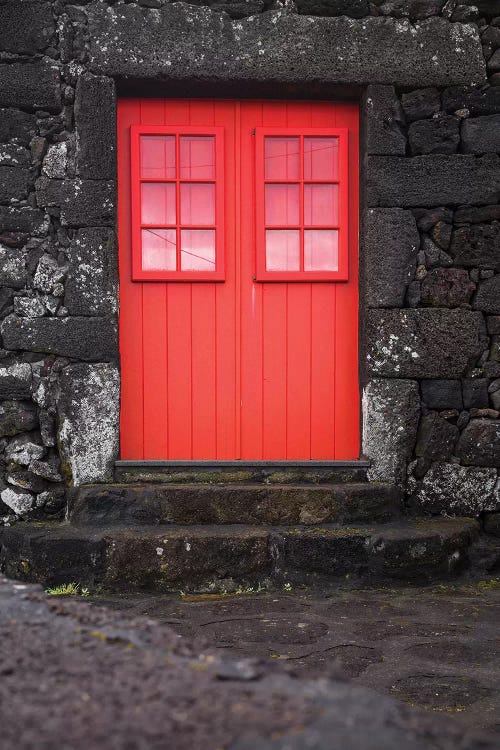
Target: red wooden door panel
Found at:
x=244, y=366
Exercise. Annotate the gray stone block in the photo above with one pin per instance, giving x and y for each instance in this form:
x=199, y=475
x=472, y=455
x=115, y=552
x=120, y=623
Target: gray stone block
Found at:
x=31, y=85
x=436, y=437
x=23, y=220
x=16, y=125
x=441, y=135
x=481, y=135
x=479, y=101
x=89, y=395
x=421, y=104
x=91, y=339
x=26, y=26
x=351, y=8
x=183, y=42
x=477, y=246
x=91, y=286
x=432, y=180
x=15, y=381
x=13, y=183
x=442, y=394
x=16, y=417
x=384, y=118
x=446, y=287
x=479, y=443
x=391, y=410
x=95, y=121
x=457, y=490
x=391, y=243
x=421, y=343
x=487, y=297
x=475, y=393
x=85, y=203
x=13, y=268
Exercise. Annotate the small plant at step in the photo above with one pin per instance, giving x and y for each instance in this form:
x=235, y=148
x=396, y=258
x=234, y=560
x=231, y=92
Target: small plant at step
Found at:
x=287, y=587
x=67, y=589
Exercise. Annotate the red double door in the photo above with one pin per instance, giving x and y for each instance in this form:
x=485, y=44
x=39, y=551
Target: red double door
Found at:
x=238, y=225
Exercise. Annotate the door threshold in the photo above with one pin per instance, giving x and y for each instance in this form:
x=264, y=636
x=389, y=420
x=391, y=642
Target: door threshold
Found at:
x=241, y=464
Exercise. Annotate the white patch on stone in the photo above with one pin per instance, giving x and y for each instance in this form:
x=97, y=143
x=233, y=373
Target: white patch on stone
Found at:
x=55, y=161
x=18, y=501
x=159, y=551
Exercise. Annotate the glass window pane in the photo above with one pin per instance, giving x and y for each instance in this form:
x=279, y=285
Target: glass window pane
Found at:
x=282, y=250
x=157, y=203
x=321, y=158
x=281, y=157
x=157, y=156
x=321, y=251
x=197, y=250
x=197, y=203
x=282, y=205
x=197, y=155
x=158, y=250
x=321, y=207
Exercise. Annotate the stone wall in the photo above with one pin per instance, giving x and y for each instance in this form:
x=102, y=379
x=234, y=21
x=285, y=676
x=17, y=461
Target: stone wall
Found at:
x=427, y=73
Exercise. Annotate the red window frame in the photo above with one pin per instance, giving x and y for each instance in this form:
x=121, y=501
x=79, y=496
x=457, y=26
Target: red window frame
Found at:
x=140, y=274
x=341, y=274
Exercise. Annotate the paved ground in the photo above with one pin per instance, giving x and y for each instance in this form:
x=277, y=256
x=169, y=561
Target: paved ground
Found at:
x=435, y=647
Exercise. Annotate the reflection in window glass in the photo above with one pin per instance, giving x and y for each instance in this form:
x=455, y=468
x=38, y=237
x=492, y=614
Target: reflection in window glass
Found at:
x=197, y=203
x=158, y=250
x=157, y=156
x=158, y=203
x=281, y=156
x=197, y=157
x=197, y=250
x=321, y=158
x=321, y=250
x=282, y=250
x=282, y=205
x=321, y=205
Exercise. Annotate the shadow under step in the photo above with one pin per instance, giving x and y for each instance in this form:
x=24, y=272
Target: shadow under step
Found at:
x=222, y=558
x=273, y=504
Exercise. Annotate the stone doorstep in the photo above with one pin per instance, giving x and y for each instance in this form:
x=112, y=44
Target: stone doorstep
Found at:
x=274, y=504
x=218, y=558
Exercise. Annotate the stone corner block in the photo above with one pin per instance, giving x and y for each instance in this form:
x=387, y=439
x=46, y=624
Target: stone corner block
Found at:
x=88, y=421
x=384, y=118
x=95, y=117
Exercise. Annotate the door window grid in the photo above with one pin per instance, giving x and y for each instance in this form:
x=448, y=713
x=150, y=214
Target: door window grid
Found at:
x=301, y=204
x=177, y=220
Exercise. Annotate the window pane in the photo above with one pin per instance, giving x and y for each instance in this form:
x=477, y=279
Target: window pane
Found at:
x=321, y=158
x=158, y=249
x=321, y=250
x=321, y=206
x=158, y=156
x=197, y=250
x=281, y=156
x=282, y=205
x=197, y=154
x=197, y=204
x=282, y=250
x=157, y=203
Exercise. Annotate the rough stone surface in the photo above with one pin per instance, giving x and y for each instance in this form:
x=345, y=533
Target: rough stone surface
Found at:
x=436, y=437
x=17, y=500
x=421, y=103
x=446, y=287
x=421, y=343
x=442, y=394
x=481, y=135
x=23, y=219
x=437, y=136
x=28, y=32
x=352, y=8
x=91, y=288
x=391, y=242
x=457, y=490
x=17, y=416
x=34, y=85
x=432, y=180
x=477, y=246
x=92, y=339
x=475, y=393
x=181, y=41
x=487, y=297
x=479, y=443
x=16, y=125
x=95, y=116
x=89, y=395
x=384, y=134
x=83, y=202
x=15, y=381
x=477, y=100
x=391, y=412
x=13, y=269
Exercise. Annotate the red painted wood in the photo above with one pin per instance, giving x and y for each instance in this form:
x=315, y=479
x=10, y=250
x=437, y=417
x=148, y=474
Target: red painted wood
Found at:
x=239, y=368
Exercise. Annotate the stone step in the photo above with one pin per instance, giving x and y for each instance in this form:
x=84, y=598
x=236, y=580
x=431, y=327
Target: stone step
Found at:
x=233, y=472
x=274, y=504
x=222, y=558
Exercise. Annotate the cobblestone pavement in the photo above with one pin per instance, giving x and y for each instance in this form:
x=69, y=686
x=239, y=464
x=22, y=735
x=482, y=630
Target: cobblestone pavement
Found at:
x=436, y=647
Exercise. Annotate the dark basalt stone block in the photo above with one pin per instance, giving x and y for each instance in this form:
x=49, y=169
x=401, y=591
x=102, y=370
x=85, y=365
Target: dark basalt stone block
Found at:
x=477, y=246
x=420, y=104
x=442, y=394
x=90, y=339
x=16, y=417
x=91, y=284
x=85, y=203
x=384, y=118
x=421, y=343
x=16, y=125
x=26, y=27
x=446, y=287
x=432, y=180
x=479, y=443
x=391, y=243
x=13, y=183
x=181, y=42
x=471, y=215
x=475, y=393
x=31, y=85
x=95, y=116
x=487, y=297
x=414, y=9
x=351, y=8
x=15, y=381
x=479, y=101
x=481, y=135
x=437, y=136
x=436, y=437
x=23, y=220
